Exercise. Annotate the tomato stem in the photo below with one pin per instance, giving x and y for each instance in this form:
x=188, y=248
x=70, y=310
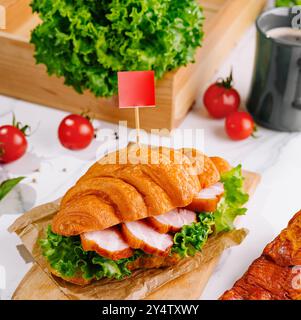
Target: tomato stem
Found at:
x=228, y=82
x=22, y=128
x=255, y=130
x=87, y=114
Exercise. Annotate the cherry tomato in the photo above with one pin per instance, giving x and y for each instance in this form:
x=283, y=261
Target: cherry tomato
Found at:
x=13, y=143
x=75, y=132
x=240, y=125
x=221, y=98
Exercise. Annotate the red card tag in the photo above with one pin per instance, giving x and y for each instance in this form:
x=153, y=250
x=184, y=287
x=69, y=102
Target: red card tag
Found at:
x=136, y=89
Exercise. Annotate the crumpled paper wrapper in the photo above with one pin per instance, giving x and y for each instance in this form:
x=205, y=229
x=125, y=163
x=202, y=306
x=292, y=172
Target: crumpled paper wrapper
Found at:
x=182, y=281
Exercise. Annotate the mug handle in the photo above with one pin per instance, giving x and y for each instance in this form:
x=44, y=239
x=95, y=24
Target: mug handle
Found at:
x=297, y=101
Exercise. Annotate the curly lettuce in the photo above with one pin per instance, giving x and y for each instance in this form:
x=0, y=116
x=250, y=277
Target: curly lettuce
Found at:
x=192, y=238
x=231, y=204
x=88, y=41
x=67, y=257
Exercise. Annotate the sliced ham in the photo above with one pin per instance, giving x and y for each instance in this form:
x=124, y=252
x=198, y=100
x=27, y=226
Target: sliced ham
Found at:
x=172, y=221
x=107, y=243
x=212, y=192
x=208, y=199
x=139, y=235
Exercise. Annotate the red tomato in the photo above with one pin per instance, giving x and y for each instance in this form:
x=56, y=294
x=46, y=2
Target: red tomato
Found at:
x=221, y=98
x=13, y=144
x=240, y=125
x=75, y=132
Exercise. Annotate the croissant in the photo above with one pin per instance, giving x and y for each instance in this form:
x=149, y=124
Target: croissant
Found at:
x=275, y=275
x=123, y=214
x=109, y=194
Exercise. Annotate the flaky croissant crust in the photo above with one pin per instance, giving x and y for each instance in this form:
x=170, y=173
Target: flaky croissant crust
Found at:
x=113, y=191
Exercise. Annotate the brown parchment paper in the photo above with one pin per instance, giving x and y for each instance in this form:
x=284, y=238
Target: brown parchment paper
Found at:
x=32, y=225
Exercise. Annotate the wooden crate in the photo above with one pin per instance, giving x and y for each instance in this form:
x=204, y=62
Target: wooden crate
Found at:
x=226, y=21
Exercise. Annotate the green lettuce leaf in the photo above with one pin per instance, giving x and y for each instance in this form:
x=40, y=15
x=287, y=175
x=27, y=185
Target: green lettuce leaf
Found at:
x=193, y=237
x=67, y=257
x=88, y=41
x=231, y=205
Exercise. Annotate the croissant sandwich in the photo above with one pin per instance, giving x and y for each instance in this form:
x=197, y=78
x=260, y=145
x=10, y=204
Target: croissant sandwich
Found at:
x=141, y=208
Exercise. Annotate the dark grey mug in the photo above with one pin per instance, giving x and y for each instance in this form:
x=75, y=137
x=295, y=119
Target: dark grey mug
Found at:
x=275, y=100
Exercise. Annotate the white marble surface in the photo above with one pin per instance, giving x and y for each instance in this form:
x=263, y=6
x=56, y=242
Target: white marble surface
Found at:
x=50, y=170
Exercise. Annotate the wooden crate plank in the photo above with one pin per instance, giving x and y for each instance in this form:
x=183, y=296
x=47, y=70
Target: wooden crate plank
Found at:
x=16, y=13
x=213, y=5
x=209, y=14
x=24, y=30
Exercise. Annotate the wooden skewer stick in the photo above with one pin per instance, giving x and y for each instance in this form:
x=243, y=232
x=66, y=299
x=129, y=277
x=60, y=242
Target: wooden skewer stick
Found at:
x=137, y=124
